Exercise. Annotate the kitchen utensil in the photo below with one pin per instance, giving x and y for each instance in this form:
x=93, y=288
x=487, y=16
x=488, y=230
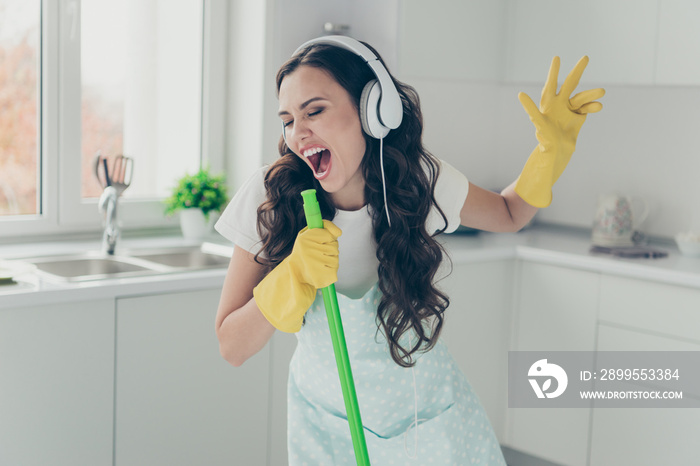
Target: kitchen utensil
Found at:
x=101, y=170
x=616, y=221
x=119, y=176
x=312, y=211
x=122, y=171
x=630, y=252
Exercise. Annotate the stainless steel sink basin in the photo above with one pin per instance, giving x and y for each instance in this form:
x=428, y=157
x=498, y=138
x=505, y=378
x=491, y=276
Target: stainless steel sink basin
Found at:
x=131, y=263
x=191, y=258
x=81, y=267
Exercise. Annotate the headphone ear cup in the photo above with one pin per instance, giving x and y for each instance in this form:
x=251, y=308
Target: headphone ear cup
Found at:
x=369, y=108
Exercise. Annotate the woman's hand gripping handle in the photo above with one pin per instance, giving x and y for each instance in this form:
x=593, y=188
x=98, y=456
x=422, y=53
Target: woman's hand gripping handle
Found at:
x=288, y=291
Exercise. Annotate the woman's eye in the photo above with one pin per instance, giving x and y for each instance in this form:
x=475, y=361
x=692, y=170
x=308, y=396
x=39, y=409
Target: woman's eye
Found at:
x=287, y=123
x=315, y=112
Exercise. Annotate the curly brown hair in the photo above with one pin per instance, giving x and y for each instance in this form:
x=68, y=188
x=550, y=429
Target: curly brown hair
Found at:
x=409, y=256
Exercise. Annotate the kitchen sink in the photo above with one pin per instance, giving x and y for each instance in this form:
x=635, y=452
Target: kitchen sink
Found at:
x=192, y=258
x=81, y=267
x=131, y=263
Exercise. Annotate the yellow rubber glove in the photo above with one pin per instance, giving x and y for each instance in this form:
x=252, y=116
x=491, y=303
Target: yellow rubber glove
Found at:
x=287, y=292
x=557, y=123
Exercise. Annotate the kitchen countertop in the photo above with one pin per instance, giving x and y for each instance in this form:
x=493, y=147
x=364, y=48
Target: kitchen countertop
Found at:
x=540, y=243
x=35, y=289
x=570, y=248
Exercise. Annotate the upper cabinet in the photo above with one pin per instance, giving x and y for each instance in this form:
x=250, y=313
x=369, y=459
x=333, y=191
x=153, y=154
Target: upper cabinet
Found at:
x=630, y=42
x=452, y=39
x=619, y=37
x=678, y=43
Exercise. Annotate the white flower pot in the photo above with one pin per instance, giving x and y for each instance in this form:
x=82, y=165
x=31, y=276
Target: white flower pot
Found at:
x=194, y=225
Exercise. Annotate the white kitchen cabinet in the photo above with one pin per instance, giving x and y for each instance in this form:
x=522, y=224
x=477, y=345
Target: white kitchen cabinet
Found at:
x=668, y=310
x=679, y=38
x=555, y=310
x=620, y=37
x=56, y=384
x=452, y=39
x=637, y=315
x=643, y=436
x=630, y=42
x=477, y=330
x=282, y=348
x=177, y=401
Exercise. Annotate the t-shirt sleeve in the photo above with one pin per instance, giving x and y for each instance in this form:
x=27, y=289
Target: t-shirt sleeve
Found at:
x=451, y=191
x=238, y=222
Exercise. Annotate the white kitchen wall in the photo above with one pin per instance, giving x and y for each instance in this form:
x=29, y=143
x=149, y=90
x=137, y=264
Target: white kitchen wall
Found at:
x=456, y=64
x=246, y=81
x=641, y=144
x=462, y=64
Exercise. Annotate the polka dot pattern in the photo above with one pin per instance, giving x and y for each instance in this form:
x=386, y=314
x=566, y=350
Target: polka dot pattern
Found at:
x=453, y=428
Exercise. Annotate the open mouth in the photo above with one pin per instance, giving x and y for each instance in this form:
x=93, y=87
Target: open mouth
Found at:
x=320, y=160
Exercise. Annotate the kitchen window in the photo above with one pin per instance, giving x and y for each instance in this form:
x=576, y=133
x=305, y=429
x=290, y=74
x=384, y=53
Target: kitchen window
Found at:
x=78, y=77
x=19, y=98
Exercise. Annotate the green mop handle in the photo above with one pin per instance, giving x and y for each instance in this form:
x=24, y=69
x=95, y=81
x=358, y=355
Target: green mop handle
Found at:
x=314, y=220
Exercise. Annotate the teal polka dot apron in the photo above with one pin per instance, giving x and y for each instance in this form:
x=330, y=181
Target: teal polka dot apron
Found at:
x=452, y=427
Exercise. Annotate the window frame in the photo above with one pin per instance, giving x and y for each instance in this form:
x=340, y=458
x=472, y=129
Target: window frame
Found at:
x=61, y=208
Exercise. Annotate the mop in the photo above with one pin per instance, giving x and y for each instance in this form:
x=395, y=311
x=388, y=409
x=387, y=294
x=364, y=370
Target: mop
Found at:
x=312, y=211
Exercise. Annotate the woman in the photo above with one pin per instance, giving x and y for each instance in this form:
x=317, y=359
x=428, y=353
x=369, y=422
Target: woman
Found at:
x=388, y=197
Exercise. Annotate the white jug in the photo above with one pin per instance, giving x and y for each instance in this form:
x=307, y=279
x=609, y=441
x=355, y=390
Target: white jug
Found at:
x=615, y=221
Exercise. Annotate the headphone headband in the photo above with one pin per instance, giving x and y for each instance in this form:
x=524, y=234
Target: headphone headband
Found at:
x=390, y=107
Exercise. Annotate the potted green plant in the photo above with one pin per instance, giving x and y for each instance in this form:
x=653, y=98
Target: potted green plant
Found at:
x=196, y=197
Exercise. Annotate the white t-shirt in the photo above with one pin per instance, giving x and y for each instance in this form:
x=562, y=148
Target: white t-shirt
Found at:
x=358, y=261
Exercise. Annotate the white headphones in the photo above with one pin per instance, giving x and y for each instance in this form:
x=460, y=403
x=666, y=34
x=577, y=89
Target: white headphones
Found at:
x=380, y=105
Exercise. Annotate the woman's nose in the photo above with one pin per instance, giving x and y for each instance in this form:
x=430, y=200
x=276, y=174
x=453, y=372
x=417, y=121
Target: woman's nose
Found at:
x=300, y=131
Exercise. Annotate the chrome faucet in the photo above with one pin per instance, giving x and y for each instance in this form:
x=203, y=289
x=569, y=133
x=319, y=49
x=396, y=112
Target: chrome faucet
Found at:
x=114, y=186
x=107, y=206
